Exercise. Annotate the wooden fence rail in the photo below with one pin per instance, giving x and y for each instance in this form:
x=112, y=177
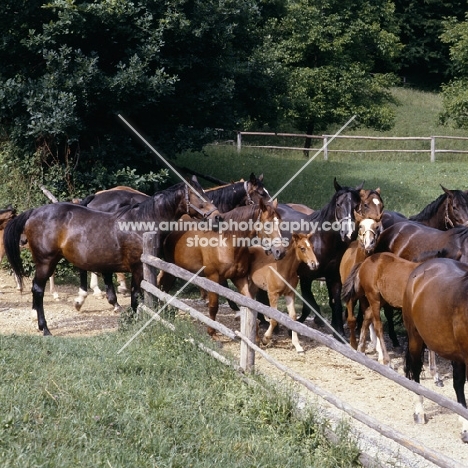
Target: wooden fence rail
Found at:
x=432, y=149
x=250, y=307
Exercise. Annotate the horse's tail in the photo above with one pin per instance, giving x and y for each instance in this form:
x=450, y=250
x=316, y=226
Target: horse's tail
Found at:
x=351, y=285
x=413, y=368
x=86, y=201
x=11, y=240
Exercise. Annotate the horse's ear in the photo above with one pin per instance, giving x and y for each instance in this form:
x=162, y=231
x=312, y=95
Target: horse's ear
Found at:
x=195, y=180
x=336, y=185
x=275, y=203
x=252, y=178
x=447, y=191
x=378, y=190
x=358, y=216
x=359, y=187
x=260, y=177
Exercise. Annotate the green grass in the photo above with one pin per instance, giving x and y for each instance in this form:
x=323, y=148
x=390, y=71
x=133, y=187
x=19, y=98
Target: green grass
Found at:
x=160, y=403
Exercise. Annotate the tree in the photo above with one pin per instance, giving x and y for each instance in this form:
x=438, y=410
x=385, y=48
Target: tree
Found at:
x=454, y=93
x=175, y=69
x=337, y=55
x=425, y=59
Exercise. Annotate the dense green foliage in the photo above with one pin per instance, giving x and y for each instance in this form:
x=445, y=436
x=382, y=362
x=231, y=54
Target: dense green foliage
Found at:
x=162, y=402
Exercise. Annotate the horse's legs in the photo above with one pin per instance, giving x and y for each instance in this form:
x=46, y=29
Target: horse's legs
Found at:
x=273, y=299
x=459, y=379
x=52, y=289
x=122, y=287
x=433, y=369
x=135, y=292
x=334, y=296
x=213, y=305
x=43, y=272
x=388, y=311
x=292, y=314
x=310, y=302
x=93, y=284
x=413, y=367
x=83, y=291
x=165, y=281
x=110, y=291
x=351, y=321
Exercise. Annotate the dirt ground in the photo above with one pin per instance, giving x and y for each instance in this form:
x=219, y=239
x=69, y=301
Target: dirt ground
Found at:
x=354, y=384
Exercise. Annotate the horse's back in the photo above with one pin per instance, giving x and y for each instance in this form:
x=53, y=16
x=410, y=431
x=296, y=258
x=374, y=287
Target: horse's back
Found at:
x=436, y=306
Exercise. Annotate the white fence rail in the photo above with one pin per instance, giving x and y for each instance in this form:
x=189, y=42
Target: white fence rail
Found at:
x=246, y=336
x=432, y=148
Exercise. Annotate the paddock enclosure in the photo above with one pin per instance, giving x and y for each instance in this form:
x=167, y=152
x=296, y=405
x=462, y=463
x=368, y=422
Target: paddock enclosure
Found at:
x=240, y=342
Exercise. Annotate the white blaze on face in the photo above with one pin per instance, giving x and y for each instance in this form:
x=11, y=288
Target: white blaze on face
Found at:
x=376, y=201
x=366, y=232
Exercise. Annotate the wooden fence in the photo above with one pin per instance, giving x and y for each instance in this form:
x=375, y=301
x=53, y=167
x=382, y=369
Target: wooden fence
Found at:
x=248, y=348
x=432, y=149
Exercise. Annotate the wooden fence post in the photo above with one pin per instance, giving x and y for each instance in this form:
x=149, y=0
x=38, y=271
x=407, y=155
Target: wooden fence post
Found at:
x=150, y=247
x=432, y=149
x=239, y=142
x=325, y=148
x=248, y=328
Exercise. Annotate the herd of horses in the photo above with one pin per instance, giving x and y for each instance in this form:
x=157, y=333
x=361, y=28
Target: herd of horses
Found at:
x=372, y=257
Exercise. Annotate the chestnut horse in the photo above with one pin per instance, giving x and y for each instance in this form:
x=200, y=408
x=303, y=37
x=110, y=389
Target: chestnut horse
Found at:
x=224, y=254
x=225, y=198
x=378, y=280
x=96, y=241
x=368, y=233
x=435, y=313
x=279, y=278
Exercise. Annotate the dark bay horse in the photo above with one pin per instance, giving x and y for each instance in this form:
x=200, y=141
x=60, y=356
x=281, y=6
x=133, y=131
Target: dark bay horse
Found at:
x=224, y=254
x=6, y=215
x=449, y=210
x=435, y=313
x=225, y=198
x=97, y=241
x=333, y=227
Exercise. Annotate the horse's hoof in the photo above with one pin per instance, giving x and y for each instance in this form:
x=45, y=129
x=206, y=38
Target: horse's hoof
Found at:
x=99, y=294
x=420, y=419
x=78, y=305
x=464, y=437
x=46, y=332
x=56, y=296
x=117, y=309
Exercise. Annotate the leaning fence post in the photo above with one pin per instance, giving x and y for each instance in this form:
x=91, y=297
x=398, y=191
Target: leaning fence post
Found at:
x=248, y=328
x=150, y=247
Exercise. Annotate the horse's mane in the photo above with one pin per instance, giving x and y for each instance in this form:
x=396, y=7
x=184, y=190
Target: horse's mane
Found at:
x=327, y=212
x=243, y=213
x=223, y=197
x=161, y=205
x=430, y=210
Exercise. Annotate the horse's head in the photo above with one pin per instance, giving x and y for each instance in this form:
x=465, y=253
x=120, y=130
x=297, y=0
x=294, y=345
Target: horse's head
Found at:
x=368, y=232
x=347, y=200
x=302, y=243
x=197, y=203
x=255, y=190
x=371, y=204
x=268, y=229
x=456, y=208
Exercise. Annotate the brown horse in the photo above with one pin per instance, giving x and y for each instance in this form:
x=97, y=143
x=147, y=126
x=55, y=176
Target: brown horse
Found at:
x=358, y=251
x=449, y=210
x=279, y=278
x=97, y=241
x=225, y=255
x=378, y=280
x=435, y=313
x=225, y=198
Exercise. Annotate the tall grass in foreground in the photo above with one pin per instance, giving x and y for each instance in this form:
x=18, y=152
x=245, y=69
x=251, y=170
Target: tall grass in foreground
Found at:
x=160, y=403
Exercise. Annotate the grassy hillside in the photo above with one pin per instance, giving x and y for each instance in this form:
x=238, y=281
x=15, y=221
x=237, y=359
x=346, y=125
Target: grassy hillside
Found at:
x=408, y=181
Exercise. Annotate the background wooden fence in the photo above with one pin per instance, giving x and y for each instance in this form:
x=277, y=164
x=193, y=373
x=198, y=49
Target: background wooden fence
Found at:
x=246, y=338
x=432, y=148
